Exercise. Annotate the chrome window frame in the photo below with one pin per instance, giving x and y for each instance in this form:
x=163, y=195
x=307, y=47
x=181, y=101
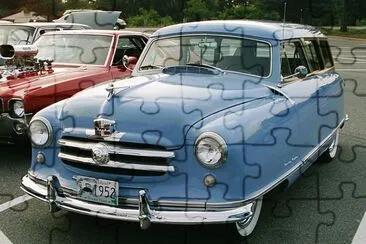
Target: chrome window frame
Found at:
x=153, y=40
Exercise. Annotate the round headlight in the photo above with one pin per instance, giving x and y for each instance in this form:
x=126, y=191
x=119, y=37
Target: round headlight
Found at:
x=211, y=150
x=40, y=132
x=18, y=108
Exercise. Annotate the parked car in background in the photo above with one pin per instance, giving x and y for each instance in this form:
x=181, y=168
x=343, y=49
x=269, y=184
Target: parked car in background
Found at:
x=58, y=65
x=97, y=19
x=216, y=115
x=27, y=33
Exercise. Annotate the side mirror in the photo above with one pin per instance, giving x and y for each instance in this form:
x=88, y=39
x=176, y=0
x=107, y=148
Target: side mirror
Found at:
x=301, y=71
x=129, y=62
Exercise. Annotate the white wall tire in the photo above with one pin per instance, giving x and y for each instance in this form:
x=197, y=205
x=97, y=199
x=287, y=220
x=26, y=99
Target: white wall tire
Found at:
x=248, y=229
x=331, y=152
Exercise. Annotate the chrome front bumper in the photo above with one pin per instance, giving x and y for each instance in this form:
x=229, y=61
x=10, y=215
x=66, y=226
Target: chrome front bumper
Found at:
x=145, y=214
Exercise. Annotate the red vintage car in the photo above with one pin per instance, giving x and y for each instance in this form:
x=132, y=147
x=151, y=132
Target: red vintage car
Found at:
x=58, y=65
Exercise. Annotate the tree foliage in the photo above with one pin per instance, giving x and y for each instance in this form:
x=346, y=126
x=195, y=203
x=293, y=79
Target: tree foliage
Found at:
x=149, y=18
x=150, y=12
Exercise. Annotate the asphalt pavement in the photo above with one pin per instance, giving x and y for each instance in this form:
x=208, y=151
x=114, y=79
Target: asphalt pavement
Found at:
x=325, y=206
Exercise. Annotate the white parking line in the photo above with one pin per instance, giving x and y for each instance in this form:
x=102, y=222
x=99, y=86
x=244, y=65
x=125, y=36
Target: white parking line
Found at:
x=360, y=236
x=359, y=60
x=352, y=70
x=14, y=202
x=4, y=239
x=348, y=56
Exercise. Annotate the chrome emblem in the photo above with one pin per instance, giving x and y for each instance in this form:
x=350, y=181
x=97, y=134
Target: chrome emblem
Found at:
x=100, y=154
x=104, y=127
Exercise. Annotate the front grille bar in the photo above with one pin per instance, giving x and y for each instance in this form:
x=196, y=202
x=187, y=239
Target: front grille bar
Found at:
x=120, y=165
x=118, y=149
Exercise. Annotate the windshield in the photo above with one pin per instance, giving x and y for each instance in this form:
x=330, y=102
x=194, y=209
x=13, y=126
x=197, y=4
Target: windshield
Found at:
x=74, y=49
x=16, y=35
x=233, y=54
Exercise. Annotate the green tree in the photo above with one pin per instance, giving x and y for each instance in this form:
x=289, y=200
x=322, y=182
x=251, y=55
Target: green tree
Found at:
x=196, y=10
x=79, y=4
x=249, y=10
x=149, y=18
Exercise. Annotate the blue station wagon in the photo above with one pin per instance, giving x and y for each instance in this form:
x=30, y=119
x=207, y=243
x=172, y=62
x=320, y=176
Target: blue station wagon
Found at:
x=216, y=115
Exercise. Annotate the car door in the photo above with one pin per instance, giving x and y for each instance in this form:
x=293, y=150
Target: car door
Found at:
x=131, y=46
x=303, y=91
x=309, y=93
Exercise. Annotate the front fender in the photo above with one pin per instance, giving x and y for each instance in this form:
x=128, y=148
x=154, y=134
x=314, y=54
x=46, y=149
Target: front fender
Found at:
x=258, y=137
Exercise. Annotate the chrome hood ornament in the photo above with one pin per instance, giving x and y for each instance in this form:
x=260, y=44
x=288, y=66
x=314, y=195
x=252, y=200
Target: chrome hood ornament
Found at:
x=111, y=90
x=104, y=127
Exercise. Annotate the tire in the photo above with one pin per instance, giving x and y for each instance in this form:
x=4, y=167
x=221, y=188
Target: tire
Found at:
x=246, y=230
x=331, y=152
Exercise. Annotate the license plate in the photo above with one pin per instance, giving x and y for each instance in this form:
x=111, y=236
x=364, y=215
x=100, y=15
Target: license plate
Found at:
x=97, y=190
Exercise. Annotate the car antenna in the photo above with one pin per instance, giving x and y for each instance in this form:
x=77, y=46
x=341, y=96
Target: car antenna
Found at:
x=283, y=42
x=284, y=20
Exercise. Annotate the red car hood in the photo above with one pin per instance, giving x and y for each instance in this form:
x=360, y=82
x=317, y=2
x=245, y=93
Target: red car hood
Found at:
x=42, y=90
x=20, y=87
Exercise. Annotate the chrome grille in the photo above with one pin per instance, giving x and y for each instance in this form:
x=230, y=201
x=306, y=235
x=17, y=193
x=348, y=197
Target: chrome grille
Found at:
x=124, y=158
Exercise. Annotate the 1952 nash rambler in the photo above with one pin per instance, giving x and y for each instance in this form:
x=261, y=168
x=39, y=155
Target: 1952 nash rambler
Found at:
x=216, y=115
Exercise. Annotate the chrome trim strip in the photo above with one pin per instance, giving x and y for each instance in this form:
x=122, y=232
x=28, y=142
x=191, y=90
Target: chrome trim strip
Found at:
x=118, y=149
x=120, y=165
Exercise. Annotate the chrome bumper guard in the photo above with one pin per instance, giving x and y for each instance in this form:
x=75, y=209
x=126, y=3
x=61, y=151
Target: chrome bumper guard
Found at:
x=145, y=214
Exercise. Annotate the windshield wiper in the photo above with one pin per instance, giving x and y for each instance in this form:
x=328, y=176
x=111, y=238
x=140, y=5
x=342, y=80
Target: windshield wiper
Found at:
x=206, y=66
x=150, y=66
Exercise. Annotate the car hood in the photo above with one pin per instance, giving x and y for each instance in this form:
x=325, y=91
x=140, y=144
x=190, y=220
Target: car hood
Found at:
x=21, y=86
x=158, y=109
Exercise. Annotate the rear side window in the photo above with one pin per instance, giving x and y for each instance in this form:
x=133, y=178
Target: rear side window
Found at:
x=327, y=55
x=20, y=36
x=312, y=53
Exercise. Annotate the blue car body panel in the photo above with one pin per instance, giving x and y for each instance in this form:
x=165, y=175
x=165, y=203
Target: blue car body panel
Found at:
x=272, y=133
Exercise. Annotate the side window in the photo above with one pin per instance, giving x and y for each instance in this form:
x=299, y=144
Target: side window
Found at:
x=43, y=31
x=327, y=55
x=312, y=52
x=245, y=55
x=19, y=36
x=130, y=46
x=292, y=56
